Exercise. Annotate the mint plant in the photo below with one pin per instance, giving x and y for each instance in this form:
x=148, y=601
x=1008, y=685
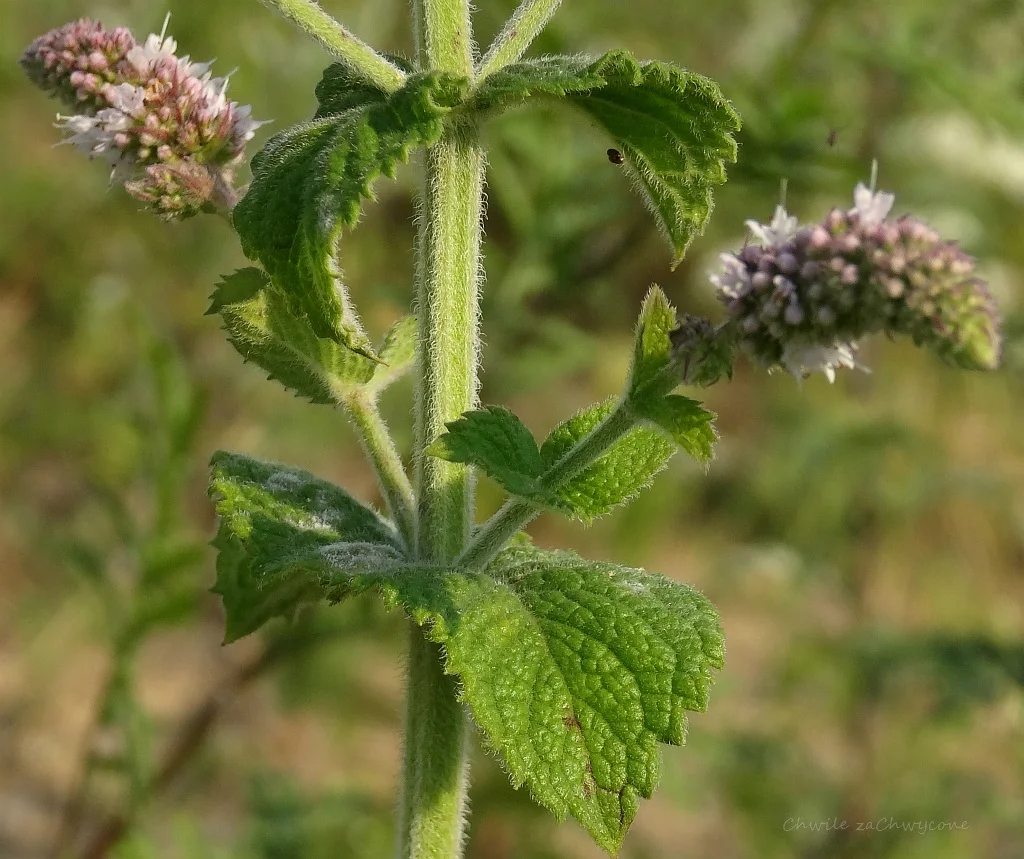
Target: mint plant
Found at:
x=573, y=670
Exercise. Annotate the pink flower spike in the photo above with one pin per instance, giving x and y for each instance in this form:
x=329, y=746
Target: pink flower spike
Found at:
x=854, y=274
x=140, y=105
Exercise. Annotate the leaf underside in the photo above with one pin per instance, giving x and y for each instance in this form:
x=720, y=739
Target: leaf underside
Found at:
x=267, y=332
x=309, y=182
x=276, y=529
x=674, y=127
x=280, y=339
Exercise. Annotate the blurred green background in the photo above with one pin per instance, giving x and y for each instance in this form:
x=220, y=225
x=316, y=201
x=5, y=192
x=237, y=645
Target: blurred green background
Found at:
x=864, y=542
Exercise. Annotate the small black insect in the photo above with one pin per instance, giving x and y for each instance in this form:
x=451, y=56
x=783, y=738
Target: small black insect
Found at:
x=615, y=156
x=833, y=134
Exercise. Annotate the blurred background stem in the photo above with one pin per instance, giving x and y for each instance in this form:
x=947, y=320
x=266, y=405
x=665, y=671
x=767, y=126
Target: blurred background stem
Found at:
x=187, y=742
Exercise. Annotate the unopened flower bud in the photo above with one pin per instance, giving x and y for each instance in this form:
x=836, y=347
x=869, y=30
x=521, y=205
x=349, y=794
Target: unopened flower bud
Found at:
x=702, y=352
x=794, y=315
x=74, y=62
x=175, y=191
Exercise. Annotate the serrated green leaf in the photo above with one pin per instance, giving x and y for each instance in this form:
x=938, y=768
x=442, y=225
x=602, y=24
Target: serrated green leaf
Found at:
x=397, y=353
x=619, y=475
x=280, y=339
x=675, y=130
x=674, y=127
x=688, y=423
x=575, y=670
x=279, y=530
x=651, y=374
x=341, y=88
x=494, y=440
x=309, y=182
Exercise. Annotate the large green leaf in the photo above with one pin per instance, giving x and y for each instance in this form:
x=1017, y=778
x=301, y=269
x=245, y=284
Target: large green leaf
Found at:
x=674, y=127
x=280, y=531
x=575, y=670
x=309, y=182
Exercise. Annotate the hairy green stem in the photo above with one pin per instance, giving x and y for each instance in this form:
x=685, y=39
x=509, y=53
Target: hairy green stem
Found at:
x=495, y=533
x=435, y=764
x=353, y=52
x=444, y=35
x=448, y=310
x=387, y=462
x=517, y=35
x=434, y=790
